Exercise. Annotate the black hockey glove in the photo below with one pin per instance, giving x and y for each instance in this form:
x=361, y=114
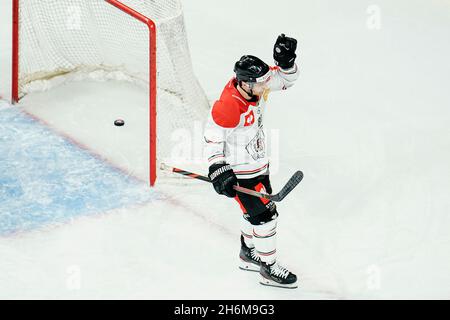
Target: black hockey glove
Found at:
x=284, y=51
x=223, y=179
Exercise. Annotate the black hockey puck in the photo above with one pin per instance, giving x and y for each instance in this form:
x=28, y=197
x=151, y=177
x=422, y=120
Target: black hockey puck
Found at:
x=119, y=122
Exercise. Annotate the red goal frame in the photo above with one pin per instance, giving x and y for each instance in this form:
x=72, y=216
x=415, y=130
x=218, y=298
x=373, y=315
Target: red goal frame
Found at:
x=152, y=72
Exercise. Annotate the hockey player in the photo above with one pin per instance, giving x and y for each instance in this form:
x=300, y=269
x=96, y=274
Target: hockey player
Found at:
x=237, y=155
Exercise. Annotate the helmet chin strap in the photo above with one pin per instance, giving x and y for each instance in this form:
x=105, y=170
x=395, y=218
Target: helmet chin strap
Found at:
x=251, y=95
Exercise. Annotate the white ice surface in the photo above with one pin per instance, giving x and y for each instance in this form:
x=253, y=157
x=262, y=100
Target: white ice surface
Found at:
x=367, y=122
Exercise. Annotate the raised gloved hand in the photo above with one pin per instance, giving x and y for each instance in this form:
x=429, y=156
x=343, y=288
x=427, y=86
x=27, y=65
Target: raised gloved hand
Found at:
x=223, y=179
x=284, y=51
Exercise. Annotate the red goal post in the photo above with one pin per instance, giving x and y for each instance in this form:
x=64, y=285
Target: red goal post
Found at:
x=152, y=72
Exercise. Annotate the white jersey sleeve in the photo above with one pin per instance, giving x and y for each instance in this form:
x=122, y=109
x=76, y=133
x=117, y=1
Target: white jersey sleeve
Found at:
x=281, y=79
x=215, y=141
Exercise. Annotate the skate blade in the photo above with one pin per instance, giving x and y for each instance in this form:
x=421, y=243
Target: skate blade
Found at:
x=248, y=266
x=267, y=282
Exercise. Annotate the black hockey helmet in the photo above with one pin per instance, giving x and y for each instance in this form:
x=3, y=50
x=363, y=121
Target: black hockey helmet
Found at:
x=251, y=69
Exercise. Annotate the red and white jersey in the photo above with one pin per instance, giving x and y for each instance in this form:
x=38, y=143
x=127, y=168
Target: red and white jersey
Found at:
x=234, y=132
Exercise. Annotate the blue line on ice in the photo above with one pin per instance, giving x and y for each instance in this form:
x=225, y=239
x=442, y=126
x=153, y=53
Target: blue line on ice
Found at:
x=44, y=179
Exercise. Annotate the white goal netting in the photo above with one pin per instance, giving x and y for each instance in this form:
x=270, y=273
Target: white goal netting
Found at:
x=59, y=38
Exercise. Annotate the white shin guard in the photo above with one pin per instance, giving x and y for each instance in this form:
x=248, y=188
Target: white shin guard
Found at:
x=247, y=232
x=264, y=238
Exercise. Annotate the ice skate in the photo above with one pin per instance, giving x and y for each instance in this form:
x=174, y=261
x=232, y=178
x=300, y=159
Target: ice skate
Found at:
x=249, y=259
x=277, y=276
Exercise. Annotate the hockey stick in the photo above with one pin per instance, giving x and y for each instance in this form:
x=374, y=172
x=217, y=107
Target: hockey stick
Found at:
x=288, y=187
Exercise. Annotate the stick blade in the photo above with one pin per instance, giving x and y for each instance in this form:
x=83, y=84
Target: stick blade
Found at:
x=288, y=187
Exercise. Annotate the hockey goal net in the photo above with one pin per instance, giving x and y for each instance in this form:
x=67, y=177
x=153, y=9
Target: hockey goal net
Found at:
x=142, y=41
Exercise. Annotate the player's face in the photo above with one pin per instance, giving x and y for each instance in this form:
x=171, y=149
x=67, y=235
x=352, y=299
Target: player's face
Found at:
x=258, y=88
